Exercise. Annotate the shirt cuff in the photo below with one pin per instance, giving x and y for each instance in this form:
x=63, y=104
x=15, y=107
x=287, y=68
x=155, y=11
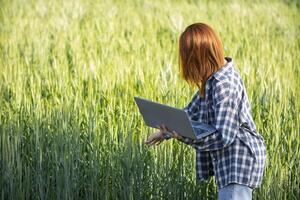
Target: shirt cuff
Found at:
x=186, y=140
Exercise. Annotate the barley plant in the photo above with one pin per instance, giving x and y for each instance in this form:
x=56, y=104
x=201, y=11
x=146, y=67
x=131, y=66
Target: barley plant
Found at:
x=69, y=69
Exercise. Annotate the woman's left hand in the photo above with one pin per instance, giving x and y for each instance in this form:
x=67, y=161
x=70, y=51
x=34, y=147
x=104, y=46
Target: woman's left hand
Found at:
x=173, y=134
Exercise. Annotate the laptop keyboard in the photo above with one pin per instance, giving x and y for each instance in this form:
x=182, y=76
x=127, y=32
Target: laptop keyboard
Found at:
x=198, y=131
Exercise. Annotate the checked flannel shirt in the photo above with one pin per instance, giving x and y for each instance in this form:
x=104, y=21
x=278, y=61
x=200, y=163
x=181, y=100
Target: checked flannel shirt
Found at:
x=235, y=153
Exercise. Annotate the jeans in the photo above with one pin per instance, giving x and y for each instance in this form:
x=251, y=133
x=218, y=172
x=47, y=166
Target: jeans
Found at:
x=234, y=191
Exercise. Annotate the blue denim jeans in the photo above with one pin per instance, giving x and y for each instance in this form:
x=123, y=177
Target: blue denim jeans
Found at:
x=234, y=191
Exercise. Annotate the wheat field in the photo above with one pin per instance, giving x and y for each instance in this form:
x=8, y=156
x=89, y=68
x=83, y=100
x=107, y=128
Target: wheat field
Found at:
x=69, y=127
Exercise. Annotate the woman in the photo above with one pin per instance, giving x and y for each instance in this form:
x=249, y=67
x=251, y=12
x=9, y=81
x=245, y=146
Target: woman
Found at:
x=235, y=154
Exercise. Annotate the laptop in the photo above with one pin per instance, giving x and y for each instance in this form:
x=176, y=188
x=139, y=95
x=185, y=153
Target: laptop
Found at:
x=175, y=119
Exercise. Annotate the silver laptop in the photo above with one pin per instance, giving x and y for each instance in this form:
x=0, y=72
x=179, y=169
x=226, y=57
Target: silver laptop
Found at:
x=175, y=119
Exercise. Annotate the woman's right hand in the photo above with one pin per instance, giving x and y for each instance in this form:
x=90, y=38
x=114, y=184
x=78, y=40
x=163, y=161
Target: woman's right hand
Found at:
x=158, y=137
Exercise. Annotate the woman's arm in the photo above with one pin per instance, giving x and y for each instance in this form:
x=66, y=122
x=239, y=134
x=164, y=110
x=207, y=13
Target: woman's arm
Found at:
x=225, y=102
x=192, y=109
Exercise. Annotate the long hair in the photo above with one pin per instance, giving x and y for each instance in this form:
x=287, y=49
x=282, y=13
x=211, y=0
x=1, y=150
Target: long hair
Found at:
x=200, y=54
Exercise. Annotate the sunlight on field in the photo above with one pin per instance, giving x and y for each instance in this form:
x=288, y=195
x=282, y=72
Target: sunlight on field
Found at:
x=69, y=127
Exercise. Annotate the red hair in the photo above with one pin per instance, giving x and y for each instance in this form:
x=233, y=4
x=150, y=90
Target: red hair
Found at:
x=200, y=54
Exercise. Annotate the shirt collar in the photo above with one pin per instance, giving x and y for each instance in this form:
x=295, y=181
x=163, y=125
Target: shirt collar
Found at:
x=221, y=72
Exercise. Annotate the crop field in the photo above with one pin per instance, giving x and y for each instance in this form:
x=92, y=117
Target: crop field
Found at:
x=69, y=69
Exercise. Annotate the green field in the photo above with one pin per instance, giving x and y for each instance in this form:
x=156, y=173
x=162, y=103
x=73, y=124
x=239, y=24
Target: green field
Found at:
x=69, y=128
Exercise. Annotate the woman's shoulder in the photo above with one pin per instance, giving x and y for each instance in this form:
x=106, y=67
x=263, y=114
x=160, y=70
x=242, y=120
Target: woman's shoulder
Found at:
x=227, y=85
x=227, y=77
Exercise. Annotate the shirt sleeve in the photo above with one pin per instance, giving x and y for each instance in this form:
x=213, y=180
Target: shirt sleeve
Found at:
x=192, y=109
x=225, y=106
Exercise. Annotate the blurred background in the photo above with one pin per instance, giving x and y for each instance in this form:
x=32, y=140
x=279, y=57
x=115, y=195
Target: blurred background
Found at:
x=69, y=69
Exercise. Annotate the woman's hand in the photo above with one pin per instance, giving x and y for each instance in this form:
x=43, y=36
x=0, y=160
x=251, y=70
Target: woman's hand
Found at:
x=173, y=134
x=158, y=137
x=155, y=138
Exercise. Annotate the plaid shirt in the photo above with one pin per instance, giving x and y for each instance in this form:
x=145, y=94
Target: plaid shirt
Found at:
x=235, y=153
